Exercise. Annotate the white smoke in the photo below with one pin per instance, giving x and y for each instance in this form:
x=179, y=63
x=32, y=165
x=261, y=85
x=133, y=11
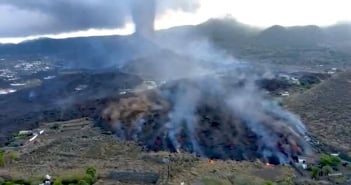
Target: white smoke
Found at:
x=197, y=72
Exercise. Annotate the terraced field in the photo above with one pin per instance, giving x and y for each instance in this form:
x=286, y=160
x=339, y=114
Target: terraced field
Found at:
x=67, y=151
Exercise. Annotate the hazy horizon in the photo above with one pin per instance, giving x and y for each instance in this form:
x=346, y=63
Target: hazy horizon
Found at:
x=35, y=19
x=127, y=30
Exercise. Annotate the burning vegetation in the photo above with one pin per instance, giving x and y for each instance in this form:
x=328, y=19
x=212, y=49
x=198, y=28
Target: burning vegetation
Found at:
x=209, y=118
x=203, y=115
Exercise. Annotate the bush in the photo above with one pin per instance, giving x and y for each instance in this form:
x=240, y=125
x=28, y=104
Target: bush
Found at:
x=22, y=182
x=16, y=182
x=328, y=160
x=89, y=179
x=91, y=171
x=71, y=180
x=7, y=157
x=82, y=182
x=90, y=176
x=58, y=181
x=269, y=183
x=2, y=158
x=9, y=183
x=314, y=173
x=326, y=170
x=13, y=156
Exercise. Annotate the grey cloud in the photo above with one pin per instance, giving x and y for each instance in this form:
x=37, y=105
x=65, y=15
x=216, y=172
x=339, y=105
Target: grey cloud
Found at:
x=14, y=21
x=55, y=16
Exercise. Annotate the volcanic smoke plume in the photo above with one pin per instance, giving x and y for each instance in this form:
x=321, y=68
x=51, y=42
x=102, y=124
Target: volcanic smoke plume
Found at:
x=208, y=117
x=143, y=13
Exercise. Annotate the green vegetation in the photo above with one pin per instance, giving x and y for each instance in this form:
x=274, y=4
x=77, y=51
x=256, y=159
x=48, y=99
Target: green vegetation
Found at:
x=2, y=158
x=82, y=182
x=326, y=170
x=58, y=181
x=7, y=157
x=269, y=183
x=16, y=182
x=328, y=160
x=88, y=178
x=327, y=164
x=91, y=172
x=13, y=156
x=315, y=172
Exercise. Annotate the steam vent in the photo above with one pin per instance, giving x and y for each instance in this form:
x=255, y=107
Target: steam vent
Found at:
x=209, y=118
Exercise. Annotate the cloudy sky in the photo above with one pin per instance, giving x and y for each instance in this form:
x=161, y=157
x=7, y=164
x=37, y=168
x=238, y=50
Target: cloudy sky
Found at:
x=23, y=19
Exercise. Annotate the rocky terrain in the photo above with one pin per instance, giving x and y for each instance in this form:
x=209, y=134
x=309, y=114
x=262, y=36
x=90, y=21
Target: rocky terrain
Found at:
x=134, y=157
x=58, y=95
x=326, y=111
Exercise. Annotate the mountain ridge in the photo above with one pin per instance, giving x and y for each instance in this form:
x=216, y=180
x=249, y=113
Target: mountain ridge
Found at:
x=236, y=38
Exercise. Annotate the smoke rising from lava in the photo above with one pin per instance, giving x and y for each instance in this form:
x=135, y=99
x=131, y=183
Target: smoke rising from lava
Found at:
x=210, y=117
x=210, y=105
x=143, y=13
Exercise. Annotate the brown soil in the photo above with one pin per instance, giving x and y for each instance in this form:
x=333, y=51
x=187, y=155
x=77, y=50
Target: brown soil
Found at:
x=76, y=145
x=326, y=110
